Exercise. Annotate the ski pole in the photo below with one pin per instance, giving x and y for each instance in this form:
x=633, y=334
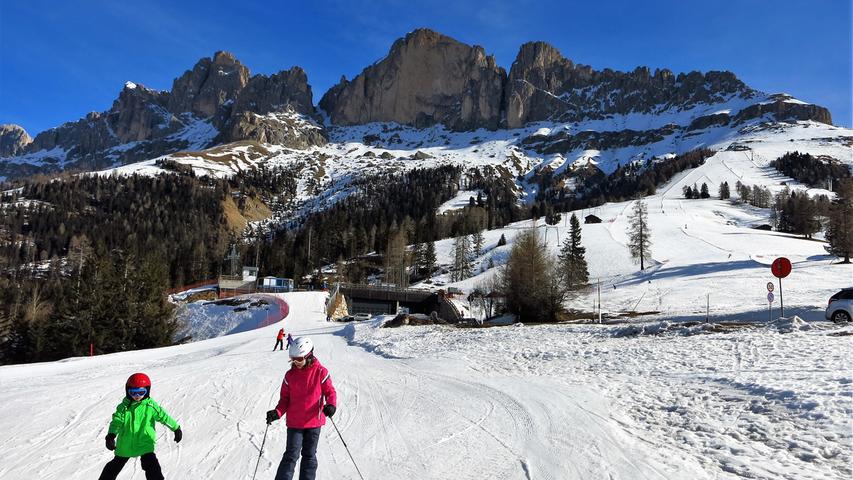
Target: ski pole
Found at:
x=261, y=452
x=345, y=447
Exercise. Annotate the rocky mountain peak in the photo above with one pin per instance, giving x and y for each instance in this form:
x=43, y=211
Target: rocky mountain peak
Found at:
x=13, y=139
x=544, y=85
x=540, y=55
x=211, y=83
x=426, y=78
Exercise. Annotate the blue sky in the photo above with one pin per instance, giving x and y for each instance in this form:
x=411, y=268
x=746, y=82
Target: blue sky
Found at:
x=60, y=60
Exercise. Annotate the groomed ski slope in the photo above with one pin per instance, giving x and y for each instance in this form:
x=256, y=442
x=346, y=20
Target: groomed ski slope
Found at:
x=427, y=418
x=546, y=402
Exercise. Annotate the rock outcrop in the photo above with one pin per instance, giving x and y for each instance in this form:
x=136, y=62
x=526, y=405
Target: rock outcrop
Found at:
x=286, y=128
x=215, y=102
x=544, y=85
x=426, y=79
x=268, y=110
x=213, y=82
x=783, y=107
x=13, y=140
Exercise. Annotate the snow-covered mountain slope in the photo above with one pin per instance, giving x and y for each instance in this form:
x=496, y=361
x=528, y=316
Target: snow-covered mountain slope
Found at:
x=707, y=255
x=553, y=402
x=326, y=173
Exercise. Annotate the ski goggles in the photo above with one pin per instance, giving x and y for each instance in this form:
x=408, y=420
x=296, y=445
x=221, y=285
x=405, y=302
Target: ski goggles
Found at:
x=300, y=359
x=137, y=392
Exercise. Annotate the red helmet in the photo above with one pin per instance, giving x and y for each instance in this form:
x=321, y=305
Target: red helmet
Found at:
x=138, y=380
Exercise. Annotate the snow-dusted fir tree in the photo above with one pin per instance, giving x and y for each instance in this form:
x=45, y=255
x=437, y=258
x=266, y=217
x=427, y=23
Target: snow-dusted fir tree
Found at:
x=573, y=267
x=639, y=235
x=461, y=258
x=839, y=231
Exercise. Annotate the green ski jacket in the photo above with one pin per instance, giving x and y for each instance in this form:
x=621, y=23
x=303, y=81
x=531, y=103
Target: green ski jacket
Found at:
x=133, y=424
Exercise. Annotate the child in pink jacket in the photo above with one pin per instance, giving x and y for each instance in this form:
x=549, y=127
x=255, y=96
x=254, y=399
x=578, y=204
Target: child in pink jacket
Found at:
x=307, y=398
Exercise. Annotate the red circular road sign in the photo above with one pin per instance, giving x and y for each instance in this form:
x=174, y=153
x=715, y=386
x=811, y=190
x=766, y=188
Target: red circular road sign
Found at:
x=781, y=267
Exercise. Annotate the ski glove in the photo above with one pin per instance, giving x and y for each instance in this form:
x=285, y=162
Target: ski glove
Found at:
x=111, y=441
x=329, y=410
x=272, y=416
x=178, y=435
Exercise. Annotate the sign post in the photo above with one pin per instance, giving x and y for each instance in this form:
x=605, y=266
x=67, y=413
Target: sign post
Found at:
x=769, y=301
x=780, y=268
x=770, y=306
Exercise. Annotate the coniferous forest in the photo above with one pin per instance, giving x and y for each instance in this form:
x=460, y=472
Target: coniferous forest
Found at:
x=86, y=260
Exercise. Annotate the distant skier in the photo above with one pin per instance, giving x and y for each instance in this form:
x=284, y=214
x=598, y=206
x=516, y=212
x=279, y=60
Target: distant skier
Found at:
x=131, y=431
x=307, y=398
x=279, y=340
x=289, y=341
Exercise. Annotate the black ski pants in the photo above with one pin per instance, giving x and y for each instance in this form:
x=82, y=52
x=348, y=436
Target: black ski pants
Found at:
x=279, y=344
x=150, y=466
x=304, y=440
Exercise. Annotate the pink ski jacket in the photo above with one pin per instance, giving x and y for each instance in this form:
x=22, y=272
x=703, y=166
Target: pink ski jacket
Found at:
x=303, y=393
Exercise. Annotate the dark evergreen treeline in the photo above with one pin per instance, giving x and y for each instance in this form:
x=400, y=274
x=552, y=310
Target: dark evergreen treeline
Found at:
x=626, y=182
x=380, y=207
x=132, y=213
x=813, y=171
x=86, y=260
x=98, y=300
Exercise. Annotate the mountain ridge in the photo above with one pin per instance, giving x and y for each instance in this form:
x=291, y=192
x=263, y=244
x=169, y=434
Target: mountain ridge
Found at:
x=426, y=79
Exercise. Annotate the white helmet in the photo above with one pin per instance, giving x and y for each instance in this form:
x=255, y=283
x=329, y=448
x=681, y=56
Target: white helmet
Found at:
x=301, y=347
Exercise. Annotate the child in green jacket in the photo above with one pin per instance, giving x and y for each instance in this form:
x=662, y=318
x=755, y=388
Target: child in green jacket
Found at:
x=133, y=424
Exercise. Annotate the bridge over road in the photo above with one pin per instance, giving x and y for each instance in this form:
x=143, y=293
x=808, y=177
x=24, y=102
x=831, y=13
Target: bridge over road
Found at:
x=383, y=300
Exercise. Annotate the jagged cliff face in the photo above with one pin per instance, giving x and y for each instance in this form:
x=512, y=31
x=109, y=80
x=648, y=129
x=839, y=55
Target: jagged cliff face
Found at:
x=209, y=85
x=215, y=102
x=426, y=79
x=13, y=140
x=543, y=85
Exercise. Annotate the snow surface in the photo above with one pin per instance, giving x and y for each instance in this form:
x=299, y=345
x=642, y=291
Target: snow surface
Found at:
x=460, y=201
x=210, y=319
x=435, y=402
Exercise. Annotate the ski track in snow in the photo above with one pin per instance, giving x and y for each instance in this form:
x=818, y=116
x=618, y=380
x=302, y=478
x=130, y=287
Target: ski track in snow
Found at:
x=523, y=402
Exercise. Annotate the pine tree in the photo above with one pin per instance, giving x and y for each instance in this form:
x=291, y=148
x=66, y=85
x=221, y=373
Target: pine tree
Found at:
x=725, y=194
x=703, y=192
x=573, y=267
x=477, y=242
x=742, y=192
x=502, y=240
x=639, y=235
x=429, y=258
x=462, y=259
x=839, y=232
x=530, y=280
